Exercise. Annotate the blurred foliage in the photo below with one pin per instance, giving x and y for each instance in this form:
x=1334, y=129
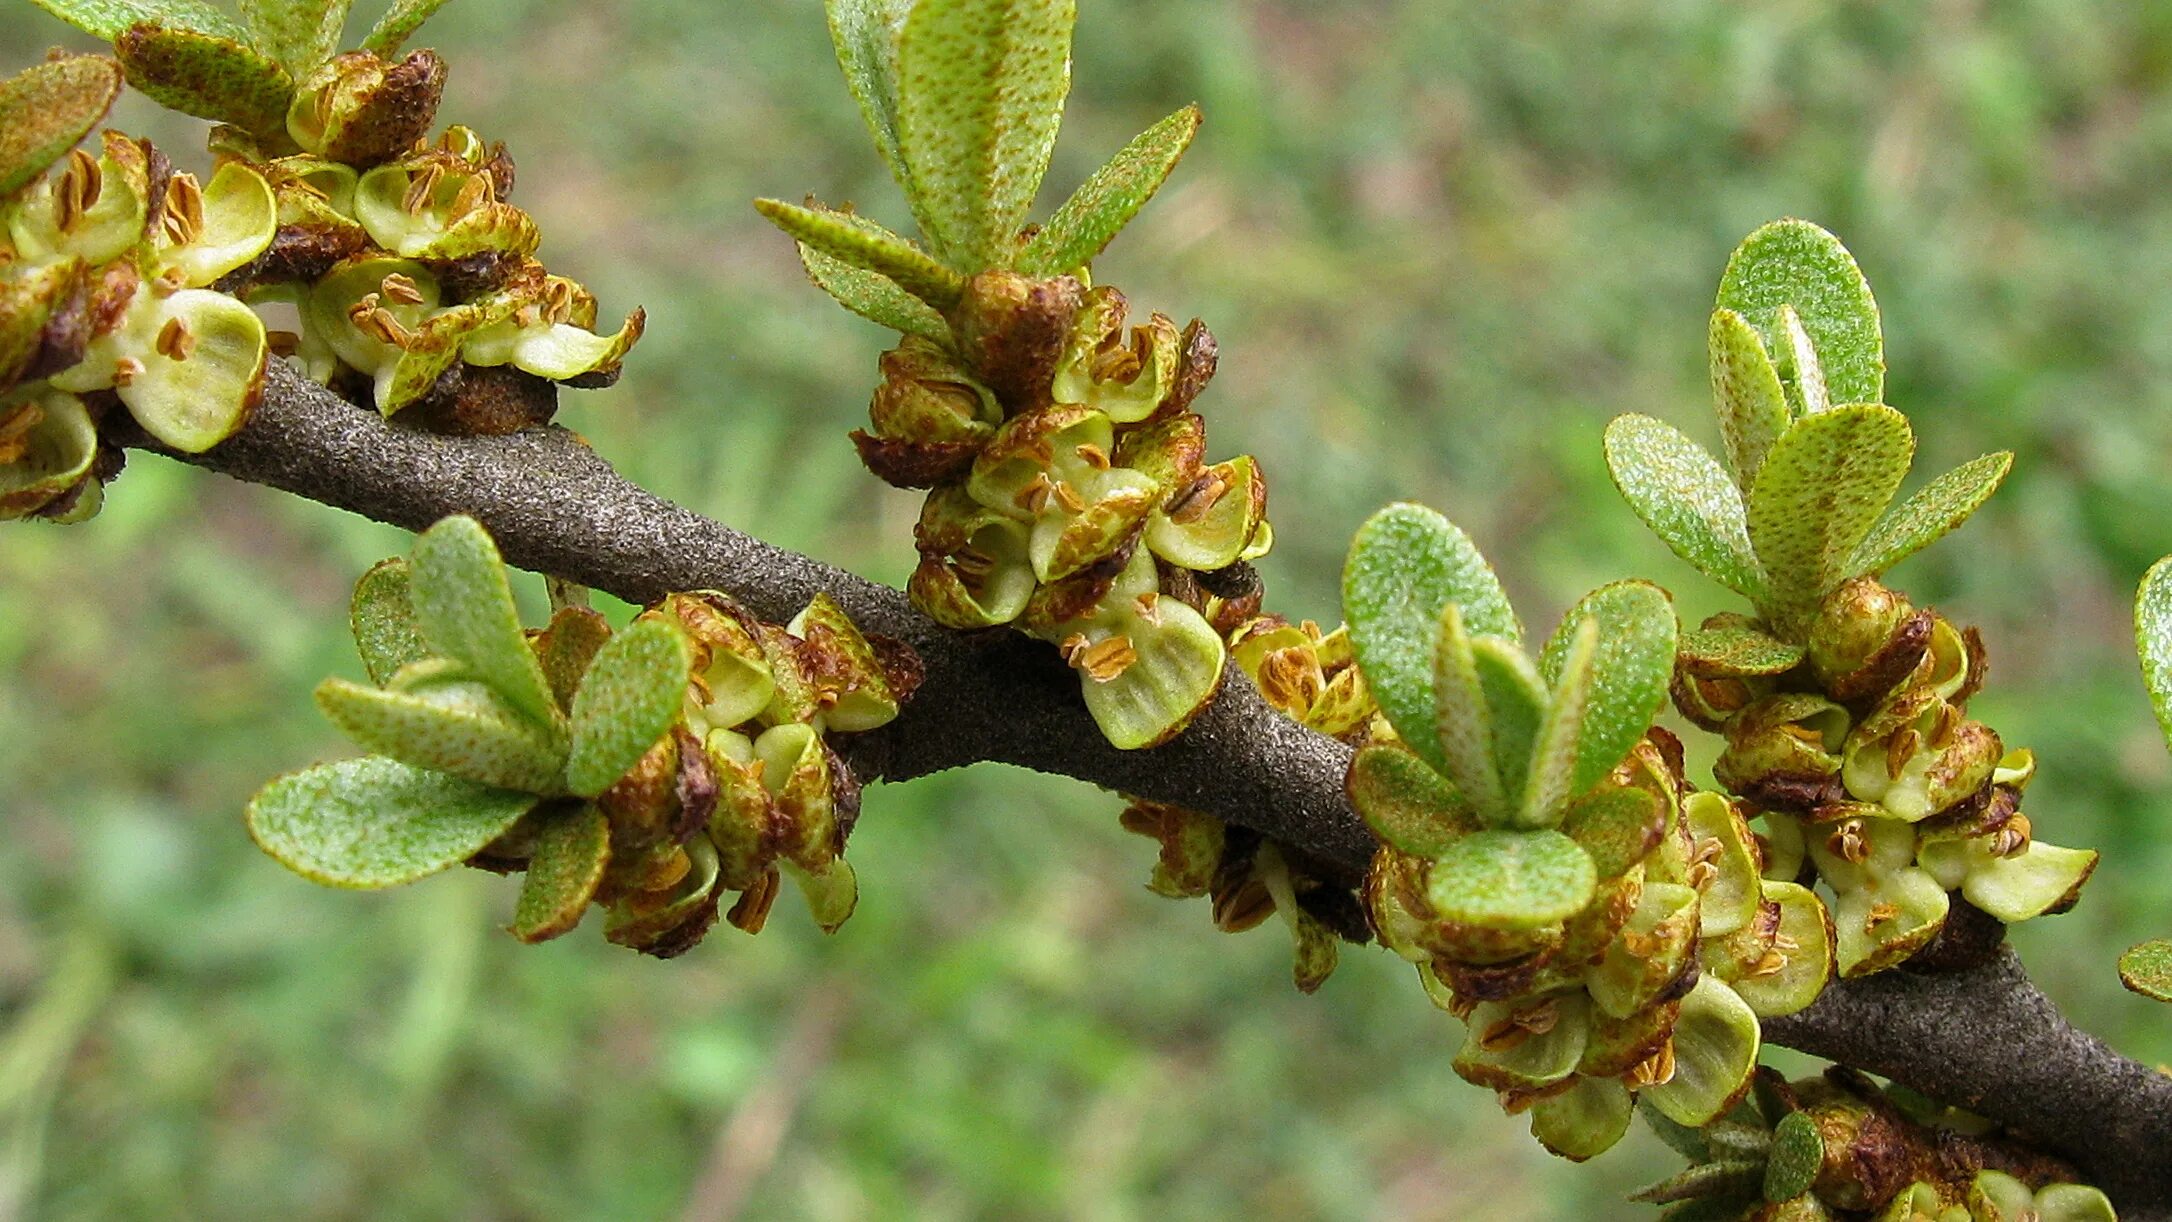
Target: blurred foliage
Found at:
x=1440, y=243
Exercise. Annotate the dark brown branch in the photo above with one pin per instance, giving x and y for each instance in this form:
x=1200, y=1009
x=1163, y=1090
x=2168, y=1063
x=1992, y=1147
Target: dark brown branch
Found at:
x=1985, y=1039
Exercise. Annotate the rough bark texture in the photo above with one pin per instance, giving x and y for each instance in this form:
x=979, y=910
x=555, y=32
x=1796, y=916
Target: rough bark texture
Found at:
x=1984, y=1039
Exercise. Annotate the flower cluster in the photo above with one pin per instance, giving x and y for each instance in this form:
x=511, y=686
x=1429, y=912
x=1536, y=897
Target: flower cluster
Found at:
x=1844, y=706
x=649, y=771
x=1604, y=932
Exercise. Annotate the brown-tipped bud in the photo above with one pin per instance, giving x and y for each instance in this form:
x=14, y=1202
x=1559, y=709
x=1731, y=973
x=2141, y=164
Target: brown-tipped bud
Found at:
x=1783, y=752
x=361, y=110
x=1011, y=330
x=1866, y=637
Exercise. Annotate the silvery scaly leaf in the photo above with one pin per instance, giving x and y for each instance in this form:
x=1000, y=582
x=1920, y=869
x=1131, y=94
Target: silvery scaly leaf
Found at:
x=1746, y=393
x=1819, y=493
x=862, y=243
x=376, y=822
x=466, y=611
x=46, y=109
x=1405, y=567
x=449, y=724
x=1097, y=211
x=872, y=295
x=300, y=34
x=1685, y=497
x=400, y=21
x=629, y=698
x=383, y=619
x=980, y=92
x=1795, y=263
x=109, y=19
x=1926, y=517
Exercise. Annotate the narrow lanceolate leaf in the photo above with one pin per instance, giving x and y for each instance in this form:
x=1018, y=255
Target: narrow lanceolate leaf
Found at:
x=2153, y=639
x=1516, y=704
x=1924, y=518
x=1406, y=566
x=466, y=611
x=1462, y=728
x=1629, y=672
x=108, y=18
x=460, y=727
x=1554, y=759
x=1793, y=262
x=376, y=822
x=1821, y=489
x=1095, y=213
x=866, y=34
x=46, y=109
x=2147, y=969
x=572, y=849
x=981, y=85
x=873, y=296
x=630, y=697
x=1408, y=805
x=400, y=21
x=859, y=242
x=1736, y=652
x=383, y=618
x=300, y=34
x=1746, y=393
x=1800, y=373
x=1684, y=495
x=211, y=76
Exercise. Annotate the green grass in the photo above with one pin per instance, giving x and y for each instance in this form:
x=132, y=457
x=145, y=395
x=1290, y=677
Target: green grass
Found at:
x=1440, y=244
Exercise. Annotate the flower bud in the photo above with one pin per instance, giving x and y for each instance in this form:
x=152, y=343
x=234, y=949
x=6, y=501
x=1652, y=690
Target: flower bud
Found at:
x=360, y=109
x=1865, y=638
x=1012, y=331
x=1783, y=752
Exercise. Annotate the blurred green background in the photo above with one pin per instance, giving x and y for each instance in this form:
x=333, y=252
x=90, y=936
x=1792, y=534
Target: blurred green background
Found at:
x=1441, y=243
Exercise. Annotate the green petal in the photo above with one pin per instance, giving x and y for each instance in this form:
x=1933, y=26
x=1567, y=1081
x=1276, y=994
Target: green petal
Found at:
x=196, y=402
x=1917, y=908
x=383, y=619
x=1406, y=566
x=1817, y=496
x=110, y=228
x=466, y=610
x=1746, y=391
x=630, y=697
x=2147, y=969
x=572, y=850
x=1537, y=1058
x=454, y=726
x=1793, y=262
x=1584, y=1121
x=1924, y=518
x=1082, y=227
x=980, y=91
x=832, y=893
x=1178, y=669
x=1408, y=805
x=1805, y=968
x=1216, y=538
x=376, y=822
x=1649, y=954
x=1514, y=880
x=212, y=76
x=47, y=109
x=2038, y=879
x=873, y=296
x=861, y=243
x=1721, y=837
x=862, y=697
x=1685, y=497
x=554, y=350
x=240, y=218
x=1629, y=673
x=400, y=21
x=1715, y=1050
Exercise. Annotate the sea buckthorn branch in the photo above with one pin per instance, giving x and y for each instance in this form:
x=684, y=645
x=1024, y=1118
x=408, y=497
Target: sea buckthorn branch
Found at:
x=1983, y=1037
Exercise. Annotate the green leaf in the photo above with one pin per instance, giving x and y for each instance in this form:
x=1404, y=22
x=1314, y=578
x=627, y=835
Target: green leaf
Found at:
x=1516, y=710
x=1793, y=262
x=1462, y=727
x=1629, y=674
x=1746, y=392
x=865, y=33
x=47, y=109
x=859, y=242
x=981, y=85
x=572, y=850
x=1406, y=566
x=1924, y=518
x=451, y=725
x=630, y=697
x=2147, y=969
x=1798, y=1154
x=1408, y=805
x=109, y=19
x=300, y=34
x=383, y=618
x=1511, y=880
x=1554, y=757
x=873, y=296
x=1685, y=496
x=1097, y=211
x=1820, y=491
x=1736, y=652
x=399, y=22
x=2153, y=639
x=466, y=610
x=212, y=76
x=376, y=822
x=1618, y=827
